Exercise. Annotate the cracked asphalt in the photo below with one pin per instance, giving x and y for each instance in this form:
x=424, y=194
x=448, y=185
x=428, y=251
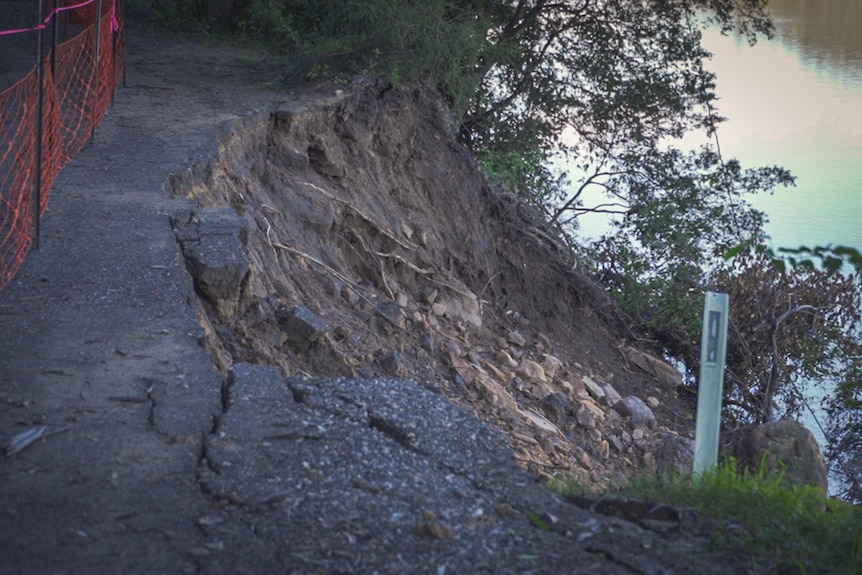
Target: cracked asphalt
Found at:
x=152, y=461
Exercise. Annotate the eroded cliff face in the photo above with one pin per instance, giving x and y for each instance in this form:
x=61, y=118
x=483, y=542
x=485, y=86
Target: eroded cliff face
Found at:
x=356, y=237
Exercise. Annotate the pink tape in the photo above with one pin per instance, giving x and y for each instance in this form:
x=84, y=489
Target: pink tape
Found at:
x=115, y=25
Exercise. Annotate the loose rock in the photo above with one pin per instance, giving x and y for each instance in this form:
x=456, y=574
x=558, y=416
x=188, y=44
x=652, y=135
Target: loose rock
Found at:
x=515, y=337
x=594, y=388
x=504, y=359
x=636, y=411
x=392, y=363
x=585, y=416
x=530, y=370
x=490, y=390
x=674, y=456
x=551, y=365
x=554, y=406
x=611, y=394
x=789, y=447
x=301, y=326
x=665, y=373
x=393, y=313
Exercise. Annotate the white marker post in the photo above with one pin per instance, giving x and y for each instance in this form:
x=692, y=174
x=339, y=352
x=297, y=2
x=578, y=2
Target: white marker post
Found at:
x=713, y=351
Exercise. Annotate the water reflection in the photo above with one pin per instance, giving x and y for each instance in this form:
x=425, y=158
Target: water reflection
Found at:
x=796, y=101
x=825, y=33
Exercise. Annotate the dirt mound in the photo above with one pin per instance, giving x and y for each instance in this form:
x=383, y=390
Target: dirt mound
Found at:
x=369, y=243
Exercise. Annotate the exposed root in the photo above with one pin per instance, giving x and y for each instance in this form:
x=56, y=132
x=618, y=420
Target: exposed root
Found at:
x=275, y=244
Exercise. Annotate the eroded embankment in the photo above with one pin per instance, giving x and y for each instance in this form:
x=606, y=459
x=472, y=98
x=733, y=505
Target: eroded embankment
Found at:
x=359, y=239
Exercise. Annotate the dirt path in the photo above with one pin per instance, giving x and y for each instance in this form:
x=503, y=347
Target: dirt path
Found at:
x=151, y=461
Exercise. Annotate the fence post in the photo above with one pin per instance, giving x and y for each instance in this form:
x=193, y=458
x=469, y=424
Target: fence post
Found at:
x=96, y=91
x=114, y=39
x=121, y=15
x=40, y=104
x=713, y=352
x=54, y=18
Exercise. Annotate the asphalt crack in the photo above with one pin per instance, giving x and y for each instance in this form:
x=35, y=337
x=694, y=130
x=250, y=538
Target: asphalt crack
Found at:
x=405, y=438
x=151, y=417
x=226, y=384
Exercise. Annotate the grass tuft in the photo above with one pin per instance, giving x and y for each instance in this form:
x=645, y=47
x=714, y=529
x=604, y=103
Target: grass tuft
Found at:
x=785, y=529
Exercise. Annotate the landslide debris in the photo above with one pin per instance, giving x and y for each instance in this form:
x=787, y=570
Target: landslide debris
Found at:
x=357, y=238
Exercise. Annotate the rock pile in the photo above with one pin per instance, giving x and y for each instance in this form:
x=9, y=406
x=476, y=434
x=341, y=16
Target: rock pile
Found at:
x=563, y=421
x=344, y=266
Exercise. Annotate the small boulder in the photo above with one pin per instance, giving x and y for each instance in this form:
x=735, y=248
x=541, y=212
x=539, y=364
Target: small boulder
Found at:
x=593, y=388
x=531, y=371
x=674, y=456
x=588, y=412
x=789, y=447
x=438, y=309
x=554, y=407
x=301, y=326
x=551, y=365
x=636, y=411
x=392, y=363
x=504, y=359
x=664, y=372
x=393, y=314
x=611, y=394
x=514, y=337
x=487, y=388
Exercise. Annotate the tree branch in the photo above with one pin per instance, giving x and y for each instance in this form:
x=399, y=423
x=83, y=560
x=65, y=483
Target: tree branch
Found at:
x=774, y=373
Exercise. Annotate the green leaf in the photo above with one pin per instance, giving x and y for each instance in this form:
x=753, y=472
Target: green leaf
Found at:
x=780, y=265
x=832, y=263
x=734, y=251
x=537, y=521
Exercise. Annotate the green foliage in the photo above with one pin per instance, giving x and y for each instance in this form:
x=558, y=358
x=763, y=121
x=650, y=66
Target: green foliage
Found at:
x=844, y=436
x=682, y=212
x=831, y=258
x=567, y=77
x=785, y=530
x=523, y=172
x=436, y=41
x=318, y=71
x=270, y=22
x=796, y=324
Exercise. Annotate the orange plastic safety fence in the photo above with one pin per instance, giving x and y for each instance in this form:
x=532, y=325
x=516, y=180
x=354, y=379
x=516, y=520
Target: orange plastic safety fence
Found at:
x=85, y=14
x=75, y=98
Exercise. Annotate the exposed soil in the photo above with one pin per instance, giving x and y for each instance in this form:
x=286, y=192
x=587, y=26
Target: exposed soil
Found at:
x=278, y=451
x=369, y=214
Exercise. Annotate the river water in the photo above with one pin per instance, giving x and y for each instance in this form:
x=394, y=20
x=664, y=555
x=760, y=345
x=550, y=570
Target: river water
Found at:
x=795, y=101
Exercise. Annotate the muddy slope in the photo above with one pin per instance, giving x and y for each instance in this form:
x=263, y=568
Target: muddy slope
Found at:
x=403, y=261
